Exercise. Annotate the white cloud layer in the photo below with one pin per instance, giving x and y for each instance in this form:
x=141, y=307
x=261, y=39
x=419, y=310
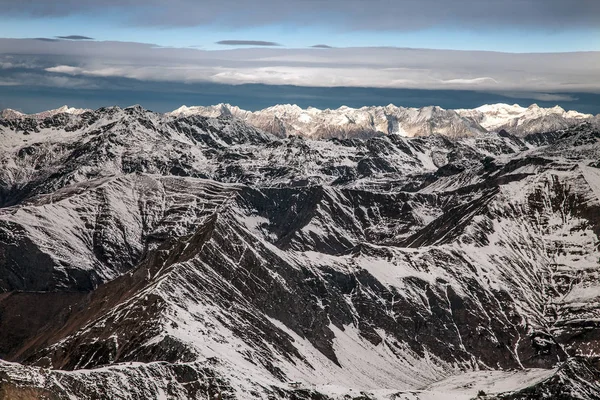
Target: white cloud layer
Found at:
x=355, y=67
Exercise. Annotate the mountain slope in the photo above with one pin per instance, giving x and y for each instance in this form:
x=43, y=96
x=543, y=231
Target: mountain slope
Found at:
x=199, y=256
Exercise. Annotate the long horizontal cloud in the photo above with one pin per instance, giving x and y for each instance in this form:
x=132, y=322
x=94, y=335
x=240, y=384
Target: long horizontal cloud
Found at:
x=75, y=37
x=353, y=67
x=351, y=14
x=247, y=43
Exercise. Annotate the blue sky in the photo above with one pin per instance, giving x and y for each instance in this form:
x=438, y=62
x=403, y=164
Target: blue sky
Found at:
x=503, y=39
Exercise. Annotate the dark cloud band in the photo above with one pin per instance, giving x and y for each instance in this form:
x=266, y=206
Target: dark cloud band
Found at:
x=349, y=14
x=75, y=37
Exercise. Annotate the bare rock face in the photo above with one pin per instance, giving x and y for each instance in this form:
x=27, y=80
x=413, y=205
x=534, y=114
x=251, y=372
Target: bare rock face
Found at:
x=183, y=257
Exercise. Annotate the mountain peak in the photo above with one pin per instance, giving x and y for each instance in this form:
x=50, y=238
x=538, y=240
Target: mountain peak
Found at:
x=9, y=113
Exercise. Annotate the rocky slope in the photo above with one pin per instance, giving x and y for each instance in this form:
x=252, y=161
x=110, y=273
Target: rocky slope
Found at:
x=199, y=257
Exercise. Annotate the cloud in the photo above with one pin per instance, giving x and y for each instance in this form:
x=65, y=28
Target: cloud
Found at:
x=470, y=81
x=246, y=43
x=43, y=39
x=24, y=63
x=540, y=96
x=75, y=37
x=345, y=14
x=39, y=79
x=321, y=46
x=65, y=69
x=322, y=67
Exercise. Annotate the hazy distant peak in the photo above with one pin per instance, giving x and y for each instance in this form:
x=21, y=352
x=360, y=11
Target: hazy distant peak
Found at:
x=9, y=113
x=12, y=114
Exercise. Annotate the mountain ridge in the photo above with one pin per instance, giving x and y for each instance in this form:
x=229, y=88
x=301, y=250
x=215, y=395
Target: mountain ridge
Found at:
x=368, y=121
x=345, y=122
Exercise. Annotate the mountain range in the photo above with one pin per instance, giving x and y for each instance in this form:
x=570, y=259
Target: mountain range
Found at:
x=346, y=122
x=378, y=253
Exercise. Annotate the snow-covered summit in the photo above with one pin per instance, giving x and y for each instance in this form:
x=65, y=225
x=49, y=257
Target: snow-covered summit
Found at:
x=221, y=109
x=521, y=120
x=13, y=114
x=9, y=113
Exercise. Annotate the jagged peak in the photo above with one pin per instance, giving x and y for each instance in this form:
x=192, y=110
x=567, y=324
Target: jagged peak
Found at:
x=9, y=113
x=136, y=108
x=284, y=108
x=65, y=109
x=487, y=108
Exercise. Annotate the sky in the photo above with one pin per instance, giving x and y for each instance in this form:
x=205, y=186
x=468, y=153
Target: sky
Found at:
x=547, y=50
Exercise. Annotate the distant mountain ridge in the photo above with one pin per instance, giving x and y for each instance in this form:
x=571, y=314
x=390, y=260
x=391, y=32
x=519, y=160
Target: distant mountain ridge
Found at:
x=345, y=122
x=9, y=113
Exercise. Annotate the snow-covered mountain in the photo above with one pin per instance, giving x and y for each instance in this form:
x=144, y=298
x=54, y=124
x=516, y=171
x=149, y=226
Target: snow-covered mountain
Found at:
x=160, y=256
x=523, y=121
x=346, y=122
x=13, y=114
